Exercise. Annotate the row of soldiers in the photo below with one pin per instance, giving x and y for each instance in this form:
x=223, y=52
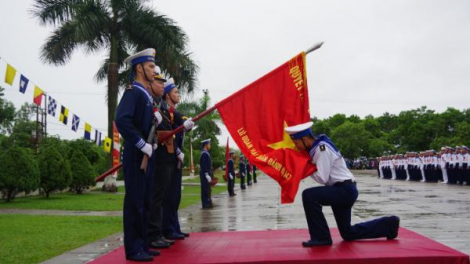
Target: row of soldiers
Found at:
x=153, y=189
x=245, y=171
x=450, y=165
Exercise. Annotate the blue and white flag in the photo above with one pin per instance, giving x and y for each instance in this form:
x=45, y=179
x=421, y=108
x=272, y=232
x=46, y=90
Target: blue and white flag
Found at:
x=75, y=123
x=23, y=83
x=51, y=106
x=97, y=138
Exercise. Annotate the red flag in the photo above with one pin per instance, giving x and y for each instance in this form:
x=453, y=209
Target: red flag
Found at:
x=227, y=155
x=256, y=116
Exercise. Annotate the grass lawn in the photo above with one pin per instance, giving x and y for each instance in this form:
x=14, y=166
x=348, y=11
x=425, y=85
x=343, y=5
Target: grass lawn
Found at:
x=90, y=201
x=35, y=238
x=95, y=200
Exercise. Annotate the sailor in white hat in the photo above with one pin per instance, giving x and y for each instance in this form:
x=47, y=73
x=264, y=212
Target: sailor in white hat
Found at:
x=134, y=118
x=339, y=192
x=205, y=173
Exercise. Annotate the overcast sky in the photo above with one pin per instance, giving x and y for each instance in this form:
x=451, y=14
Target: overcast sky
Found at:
x=379, y=56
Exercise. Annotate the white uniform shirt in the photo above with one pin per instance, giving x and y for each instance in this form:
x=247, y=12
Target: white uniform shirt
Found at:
x=331, y=167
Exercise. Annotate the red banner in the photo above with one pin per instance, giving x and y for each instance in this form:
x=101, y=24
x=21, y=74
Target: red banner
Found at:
x=227, y=156
x=257, y=115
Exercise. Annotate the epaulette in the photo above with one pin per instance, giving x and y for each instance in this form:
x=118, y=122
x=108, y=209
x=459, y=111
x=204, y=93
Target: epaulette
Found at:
x=184, y=117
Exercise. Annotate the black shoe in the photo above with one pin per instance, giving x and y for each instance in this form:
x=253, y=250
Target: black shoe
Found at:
x=153, y=253
x=169, y=241
x=140, y=257
x=394, y=227
x=159, y=244
x=314, y=243
x=184, y=234
x=174, y=236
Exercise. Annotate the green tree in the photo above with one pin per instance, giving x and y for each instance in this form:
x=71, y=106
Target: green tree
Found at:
x=83, y=174
x=54, y=170
x=19, y=173
x=206, y=127
x=120, y=27
x=7, y=114
x=94, y=154
x=351, y=139
x=23, y=127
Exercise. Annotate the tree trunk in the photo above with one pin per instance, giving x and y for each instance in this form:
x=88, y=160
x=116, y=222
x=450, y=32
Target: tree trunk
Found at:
x=113, y=90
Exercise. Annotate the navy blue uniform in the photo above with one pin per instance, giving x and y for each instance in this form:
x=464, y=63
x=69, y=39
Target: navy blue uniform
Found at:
x=231, y=171
x=134, y=120
x=205, y=169
x=248, y=173
x=254, y=174
x=242, y=168
x=171, y=223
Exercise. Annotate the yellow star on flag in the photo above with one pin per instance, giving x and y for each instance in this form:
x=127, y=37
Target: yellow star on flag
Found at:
x=285, y=143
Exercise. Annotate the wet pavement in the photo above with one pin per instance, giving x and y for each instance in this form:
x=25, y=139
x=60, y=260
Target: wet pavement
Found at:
x=438, y=211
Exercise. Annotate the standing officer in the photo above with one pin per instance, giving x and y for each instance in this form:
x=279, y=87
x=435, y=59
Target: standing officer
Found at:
x=134, y=119
x=231, y=175
x=242, y=169
x=254, y=173
x=248, y=172
x=339, y=192
x=166, y=160
x=171, y=226
x=205, y=173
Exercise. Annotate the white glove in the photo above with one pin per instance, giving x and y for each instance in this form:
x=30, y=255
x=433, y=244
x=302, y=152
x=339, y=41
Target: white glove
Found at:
x=231, y=176
x=147, y=149
x=181, y=157
x=188, y=124
x=158, y=117
x=208, y=177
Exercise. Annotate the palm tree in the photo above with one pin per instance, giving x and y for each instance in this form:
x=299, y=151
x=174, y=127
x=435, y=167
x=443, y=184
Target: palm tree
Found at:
x=120, y=27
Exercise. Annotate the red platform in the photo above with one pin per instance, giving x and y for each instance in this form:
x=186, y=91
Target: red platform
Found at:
x=284, y=246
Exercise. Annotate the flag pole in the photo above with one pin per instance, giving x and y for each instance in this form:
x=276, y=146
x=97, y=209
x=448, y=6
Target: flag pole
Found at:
x=194, y=119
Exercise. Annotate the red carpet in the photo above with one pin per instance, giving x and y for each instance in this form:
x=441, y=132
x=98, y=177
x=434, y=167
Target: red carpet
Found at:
x=284, y=246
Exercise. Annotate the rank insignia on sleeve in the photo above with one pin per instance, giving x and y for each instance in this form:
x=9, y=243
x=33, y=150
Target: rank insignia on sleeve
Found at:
x=322, y=148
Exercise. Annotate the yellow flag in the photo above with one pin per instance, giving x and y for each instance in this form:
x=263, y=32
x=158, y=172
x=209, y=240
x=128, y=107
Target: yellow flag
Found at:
x=38, y=93
x=10, y=74
x=107, y=144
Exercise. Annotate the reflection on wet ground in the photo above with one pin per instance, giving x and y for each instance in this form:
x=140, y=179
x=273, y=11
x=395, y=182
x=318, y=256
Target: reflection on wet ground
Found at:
x=439, y=211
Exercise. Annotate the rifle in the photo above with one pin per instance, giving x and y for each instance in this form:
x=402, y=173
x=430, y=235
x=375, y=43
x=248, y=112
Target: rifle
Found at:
x=150, y=140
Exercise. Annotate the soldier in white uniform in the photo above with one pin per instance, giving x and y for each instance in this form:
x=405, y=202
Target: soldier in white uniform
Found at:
x=465, y=165
x=443, y=162
x=339, y=192
x=421, y=166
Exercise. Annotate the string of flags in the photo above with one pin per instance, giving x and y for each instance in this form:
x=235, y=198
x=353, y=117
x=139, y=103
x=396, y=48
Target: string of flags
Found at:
x=51, y=108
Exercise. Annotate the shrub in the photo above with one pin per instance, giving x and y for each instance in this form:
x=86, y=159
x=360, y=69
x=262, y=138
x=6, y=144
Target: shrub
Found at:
x=83, y=174
x=19, y=173
x=54, y=170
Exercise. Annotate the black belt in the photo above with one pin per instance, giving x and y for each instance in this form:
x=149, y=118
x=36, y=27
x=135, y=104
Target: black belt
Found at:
x=346, y=182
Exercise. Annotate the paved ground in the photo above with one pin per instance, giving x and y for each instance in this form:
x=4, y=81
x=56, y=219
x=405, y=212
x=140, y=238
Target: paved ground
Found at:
x=438, y=211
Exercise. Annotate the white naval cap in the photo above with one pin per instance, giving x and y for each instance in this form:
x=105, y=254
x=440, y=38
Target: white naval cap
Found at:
x=141, y=56
x=300, y=131
x=169, y=85
x=158, y=74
